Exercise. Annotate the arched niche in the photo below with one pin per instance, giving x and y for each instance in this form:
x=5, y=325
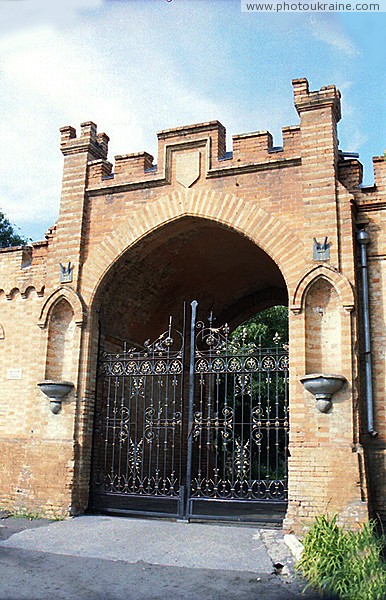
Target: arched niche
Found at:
x=338, y=280
x=61, y=329
x=73, y=299
x=323, y=337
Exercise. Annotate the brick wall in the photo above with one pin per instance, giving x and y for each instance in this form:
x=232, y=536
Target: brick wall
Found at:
x=236, y=230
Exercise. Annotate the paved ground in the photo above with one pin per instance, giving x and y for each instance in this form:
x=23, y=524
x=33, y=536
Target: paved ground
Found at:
x=109, y=558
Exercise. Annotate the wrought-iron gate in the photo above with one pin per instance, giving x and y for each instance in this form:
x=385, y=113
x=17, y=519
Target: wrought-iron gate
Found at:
x=192, y=430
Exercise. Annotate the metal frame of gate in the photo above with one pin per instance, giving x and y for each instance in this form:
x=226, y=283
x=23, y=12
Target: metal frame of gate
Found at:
x=192, y=430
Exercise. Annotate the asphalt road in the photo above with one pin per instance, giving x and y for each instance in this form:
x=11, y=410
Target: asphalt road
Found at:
x=111, y=558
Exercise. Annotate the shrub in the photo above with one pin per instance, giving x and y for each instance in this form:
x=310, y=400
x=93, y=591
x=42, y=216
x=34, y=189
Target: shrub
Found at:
x=344, y=563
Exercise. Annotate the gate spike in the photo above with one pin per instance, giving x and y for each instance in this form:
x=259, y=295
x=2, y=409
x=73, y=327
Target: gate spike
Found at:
x=170, y=326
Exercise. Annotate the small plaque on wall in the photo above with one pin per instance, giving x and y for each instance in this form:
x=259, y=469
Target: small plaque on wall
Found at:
x=66, y=273
x=14, y=373
x=321, y=250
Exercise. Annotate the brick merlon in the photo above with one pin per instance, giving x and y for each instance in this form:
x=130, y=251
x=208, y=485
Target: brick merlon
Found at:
x=300, y=86
x=88, y=129
x=327, y=96
x=67, y=133
x=379, y=165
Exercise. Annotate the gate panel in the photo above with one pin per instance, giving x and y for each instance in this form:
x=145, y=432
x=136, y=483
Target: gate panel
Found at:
x=198, y=434
x=239, y=429
x=138, y=441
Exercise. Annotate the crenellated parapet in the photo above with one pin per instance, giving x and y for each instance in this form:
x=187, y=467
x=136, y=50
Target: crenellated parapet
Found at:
x=370, y=208
x=206, y=145
x=350, y=175
x=257, y=147
x=88, y=141
x=371, y=197
x=23, y=269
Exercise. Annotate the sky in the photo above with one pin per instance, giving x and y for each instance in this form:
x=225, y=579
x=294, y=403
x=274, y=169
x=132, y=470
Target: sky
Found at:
x=136, y=67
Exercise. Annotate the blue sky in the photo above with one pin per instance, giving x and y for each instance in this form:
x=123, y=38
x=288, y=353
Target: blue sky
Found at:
x=138, y=66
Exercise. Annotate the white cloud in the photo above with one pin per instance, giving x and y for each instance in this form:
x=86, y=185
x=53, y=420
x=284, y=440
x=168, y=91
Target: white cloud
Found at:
x=25, y=15
x=134, y=68
x=327, y=29
x=353, y=139
x=53, y=78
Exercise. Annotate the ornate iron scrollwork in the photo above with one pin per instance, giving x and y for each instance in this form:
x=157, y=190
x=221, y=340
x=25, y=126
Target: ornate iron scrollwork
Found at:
x=222, y=425
x=154, y=422
x=236, y=433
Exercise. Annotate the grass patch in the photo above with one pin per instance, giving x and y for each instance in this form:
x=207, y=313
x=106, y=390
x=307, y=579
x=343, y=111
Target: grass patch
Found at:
x=25, y=513
x=344, y=563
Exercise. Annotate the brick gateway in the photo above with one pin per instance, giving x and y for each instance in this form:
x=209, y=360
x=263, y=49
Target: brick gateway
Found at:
x=239, y=231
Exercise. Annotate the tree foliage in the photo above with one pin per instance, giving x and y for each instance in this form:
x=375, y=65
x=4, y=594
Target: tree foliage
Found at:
x=8, y=236
x=264, y=326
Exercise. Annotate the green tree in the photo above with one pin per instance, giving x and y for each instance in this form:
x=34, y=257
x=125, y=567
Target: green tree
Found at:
x=8, y=235
x=265, y=325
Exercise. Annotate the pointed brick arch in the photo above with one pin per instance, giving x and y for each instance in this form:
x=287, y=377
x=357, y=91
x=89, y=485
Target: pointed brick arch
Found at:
x=71, y=297
x=339, y=281
x=245, y=217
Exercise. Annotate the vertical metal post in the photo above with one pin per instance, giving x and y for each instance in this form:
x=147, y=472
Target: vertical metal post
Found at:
x=194, y=305
x=363, y=239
